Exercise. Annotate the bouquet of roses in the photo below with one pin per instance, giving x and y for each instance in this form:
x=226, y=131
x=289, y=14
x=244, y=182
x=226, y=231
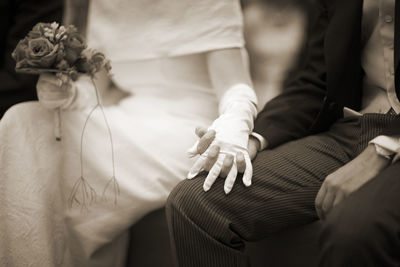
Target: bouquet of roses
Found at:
x=49, y=47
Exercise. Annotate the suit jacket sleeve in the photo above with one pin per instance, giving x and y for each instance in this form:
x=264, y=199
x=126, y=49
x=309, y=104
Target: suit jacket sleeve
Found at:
x=17, y=17
x=291, y=115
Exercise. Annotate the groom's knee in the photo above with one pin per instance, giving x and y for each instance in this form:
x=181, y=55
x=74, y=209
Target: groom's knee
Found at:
x=188, y=204
x=186, y=198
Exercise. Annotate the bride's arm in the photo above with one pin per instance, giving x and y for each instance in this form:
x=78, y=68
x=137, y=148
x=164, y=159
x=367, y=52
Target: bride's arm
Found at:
x=228, y=67
x=227, y=155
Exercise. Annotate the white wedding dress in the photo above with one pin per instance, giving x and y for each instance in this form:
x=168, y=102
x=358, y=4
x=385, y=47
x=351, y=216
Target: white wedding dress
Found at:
x=155, y=49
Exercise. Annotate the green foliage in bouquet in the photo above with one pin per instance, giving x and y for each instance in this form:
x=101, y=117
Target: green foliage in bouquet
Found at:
x=49, y=47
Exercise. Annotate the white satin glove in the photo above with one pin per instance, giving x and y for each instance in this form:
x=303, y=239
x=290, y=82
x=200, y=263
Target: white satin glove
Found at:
x=55, y=91
x=228, y=150
x=59, y=91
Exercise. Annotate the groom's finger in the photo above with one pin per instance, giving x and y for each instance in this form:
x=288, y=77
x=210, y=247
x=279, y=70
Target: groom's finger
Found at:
x=205, y=141
x=327, y=204
x=319, y=199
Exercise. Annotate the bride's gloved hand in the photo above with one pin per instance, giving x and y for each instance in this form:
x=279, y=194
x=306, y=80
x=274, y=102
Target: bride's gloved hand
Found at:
x=55, y=91
x=227, y=154
x=59, y=91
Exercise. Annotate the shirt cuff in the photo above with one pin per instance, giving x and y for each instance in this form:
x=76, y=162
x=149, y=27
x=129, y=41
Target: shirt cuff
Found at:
x=261, y=139
x=389, y=145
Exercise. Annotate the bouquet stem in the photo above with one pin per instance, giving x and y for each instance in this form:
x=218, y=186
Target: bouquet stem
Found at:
x=57, y=124
x=82, y=185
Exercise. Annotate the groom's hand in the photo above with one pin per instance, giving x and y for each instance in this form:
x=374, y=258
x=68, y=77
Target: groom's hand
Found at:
x=206, y=138
x=348, y=179
x=253, y=147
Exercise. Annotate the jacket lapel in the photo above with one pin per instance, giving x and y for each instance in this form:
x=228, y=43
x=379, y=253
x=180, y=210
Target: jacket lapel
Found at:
x=397, y=47
x=397, y=35
x=343, y=52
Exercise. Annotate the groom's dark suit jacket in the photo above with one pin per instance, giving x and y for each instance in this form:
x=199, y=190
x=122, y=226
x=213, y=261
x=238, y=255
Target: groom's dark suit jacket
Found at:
x=329, y=78
x=17, y=17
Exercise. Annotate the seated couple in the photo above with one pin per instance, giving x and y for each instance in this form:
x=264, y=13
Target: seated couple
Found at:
x=325, y=148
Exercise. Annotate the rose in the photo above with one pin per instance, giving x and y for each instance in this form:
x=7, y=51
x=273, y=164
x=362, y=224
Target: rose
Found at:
x=19, y=52
x=36, y=53
x=59, y=48
x=73, y=47
x=92, y=61
x=99, y=61
x=39, y=30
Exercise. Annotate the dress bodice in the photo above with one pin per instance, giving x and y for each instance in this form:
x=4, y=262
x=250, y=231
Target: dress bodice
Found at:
x=146, y=29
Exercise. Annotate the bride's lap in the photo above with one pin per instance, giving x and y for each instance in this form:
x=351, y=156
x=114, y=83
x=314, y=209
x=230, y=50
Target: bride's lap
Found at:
x=27, y=130
x=150, y=159
x=144, y=140
x=29, y=190
x=26, y=114
x=149, y=144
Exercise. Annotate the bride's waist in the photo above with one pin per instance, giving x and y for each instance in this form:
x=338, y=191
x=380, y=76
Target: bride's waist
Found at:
x=174, y=72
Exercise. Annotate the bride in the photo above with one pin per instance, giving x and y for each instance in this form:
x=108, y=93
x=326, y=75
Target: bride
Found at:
x=180, y=64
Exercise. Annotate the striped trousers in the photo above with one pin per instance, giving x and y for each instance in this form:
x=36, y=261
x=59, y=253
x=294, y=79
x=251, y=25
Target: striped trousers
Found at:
x=209, y=228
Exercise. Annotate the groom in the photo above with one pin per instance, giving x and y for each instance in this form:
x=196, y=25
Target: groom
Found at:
x=328, y=148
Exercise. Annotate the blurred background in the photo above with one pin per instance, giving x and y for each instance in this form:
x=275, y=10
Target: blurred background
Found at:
x=274, y=32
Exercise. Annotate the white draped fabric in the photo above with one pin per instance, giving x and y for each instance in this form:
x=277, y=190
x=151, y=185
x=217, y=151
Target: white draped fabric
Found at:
x=153, y=46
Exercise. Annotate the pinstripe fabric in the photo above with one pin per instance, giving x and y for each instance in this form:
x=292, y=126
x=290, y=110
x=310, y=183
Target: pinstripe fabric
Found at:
x=208, y=229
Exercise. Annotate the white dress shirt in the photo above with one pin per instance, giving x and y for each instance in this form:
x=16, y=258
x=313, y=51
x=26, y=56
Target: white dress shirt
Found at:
x=377, y=60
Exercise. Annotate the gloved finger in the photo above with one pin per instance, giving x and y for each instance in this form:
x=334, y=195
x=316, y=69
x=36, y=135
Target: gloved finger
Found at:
x=197, y=167
x=230, y=179
x=248, y=173
x=52, y=92
x=192, y=152
x=200, y=131
x=52, y=83
x=53, y=99
x=240, y=162
x=205, y=141
x=213, y=173
x=44, y=86
x=226, y=165
x=50, y=78
x=212, y=156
